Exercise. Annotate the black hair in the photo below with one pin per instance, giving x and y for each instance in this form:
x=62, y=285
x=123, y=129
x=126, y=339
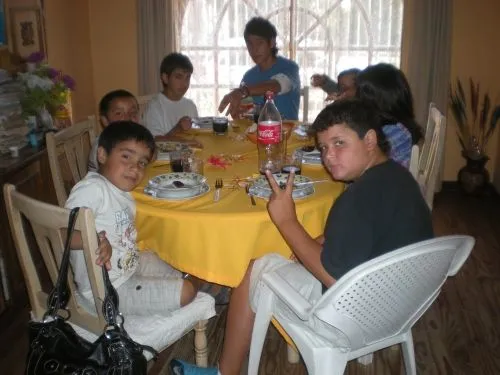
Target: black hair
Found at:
x=348, y=72
x=358, y=115
x=106, y=100
x=174, y=61
x=386, y=86
x=121, y=131
x=261, y=27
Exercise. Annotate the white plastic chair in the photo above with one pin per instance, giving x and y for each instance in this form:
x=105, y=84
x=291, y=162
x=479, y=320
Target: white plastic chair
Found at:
x=46, y=222
x=304, y=92
x=431, y=158
x=372, y=307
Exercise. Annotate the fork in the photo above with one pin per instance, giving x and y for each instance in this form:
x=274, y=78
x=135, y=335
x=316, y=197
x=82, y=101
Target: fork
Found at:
x=252, y=199
x=218, y=186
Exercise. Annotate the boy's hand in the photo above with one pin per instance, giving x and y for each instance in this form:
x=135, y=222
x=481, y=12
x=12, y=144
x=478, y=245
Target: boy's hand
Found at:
x=104, y=251
x=233, y=99
x=184, y=123
x=317, y=80
x=332, y=96
x=281, y=206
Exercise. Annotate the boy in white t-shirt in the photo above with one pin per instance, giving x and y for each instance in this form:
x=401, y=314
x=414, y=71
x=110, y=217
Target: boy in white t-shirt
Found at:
x=116, y=105
x=145, y=283
x=169, y=111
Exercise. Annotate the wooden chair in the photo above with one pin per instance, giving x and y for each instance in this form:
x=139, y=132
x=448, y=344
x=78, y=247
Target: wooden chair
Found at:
x=432, y=156
x=143, y=102
x=304, y=93
x=432, y=117
x=414, y=161
x=46, y=222
x=68, y=151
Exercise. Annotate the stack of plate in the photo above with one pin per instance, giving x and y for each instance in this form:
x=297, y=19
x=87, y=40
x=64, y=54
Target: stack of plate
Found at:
x=302, y=186
x=177, y=186
x=311, y=157
x=202, y=122
x=165, y=147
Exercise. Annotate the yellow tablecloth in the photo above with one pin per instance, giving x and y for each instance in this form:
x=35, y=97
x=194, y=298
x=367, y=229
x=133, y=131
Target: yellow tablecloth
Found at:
x=215, y=241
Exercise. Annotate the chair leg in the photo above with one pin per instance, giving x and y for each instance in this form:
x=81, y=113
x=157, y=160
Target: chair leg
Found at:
x=409, y=354
x=293, y=355
x=200, y=343
x=260, y=326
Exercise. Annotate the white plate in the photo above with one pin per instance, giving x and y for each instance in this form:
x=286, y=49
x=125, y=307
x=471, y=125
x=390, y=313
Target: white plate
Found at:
x=261, y=189
x=204, y=189
x=165, y=147
x=162, y=186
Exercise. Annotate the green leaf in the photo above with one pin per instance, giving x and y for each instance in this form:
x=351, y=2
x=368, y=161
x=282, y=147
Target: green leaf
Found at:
x=495, y=117
x=484, y=112
x=474, y=99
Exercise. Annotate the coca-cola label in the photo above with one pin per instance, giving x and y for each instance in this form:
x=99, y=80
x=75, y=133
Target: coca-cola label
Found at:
x=268, y=132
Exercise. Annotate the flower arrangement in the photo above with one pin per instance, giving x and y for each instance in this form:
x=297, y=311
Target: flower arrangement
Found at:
x=44, y=88
x=35, y=58
x=476, y=119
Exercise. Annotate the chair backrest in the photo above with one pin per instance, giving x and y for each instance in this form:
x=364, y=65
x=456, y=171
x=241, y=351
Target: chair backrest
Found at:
x=385, y=296
x=414, y=161
x=304, y=93
x=143, y=102
x=429, y=131
x=432, y=156
x=46, y=222
x=68, y=152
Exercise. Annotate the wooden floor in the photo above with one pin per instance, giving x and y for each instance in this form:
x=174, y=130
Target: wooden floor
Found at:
x=459, y=334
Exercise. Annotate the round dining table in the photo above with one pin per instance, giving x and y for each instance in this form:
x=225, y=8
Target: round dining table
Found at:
x=216, y=240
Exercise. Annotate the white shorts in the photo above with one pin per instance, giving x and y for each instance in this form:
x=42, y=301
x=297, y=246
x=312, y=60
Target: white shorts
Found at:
x=154, y=288
x=294, y=273
x=305, y=284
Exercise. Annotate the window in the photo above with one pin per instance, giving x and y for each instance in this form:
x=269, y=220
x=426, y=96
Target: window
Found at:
x=322, y=36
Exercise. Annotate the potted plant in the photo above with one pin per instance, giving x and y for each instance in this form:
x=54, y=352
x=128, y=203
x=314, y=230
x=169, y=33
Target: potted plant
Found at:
x=476, y=118
x=33, y=60
x=45, y=90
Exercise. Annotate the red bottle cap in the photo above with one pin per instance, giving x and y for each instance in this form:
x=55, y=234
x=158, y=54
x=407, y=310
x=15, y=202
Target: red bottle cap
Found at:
x=269, y=95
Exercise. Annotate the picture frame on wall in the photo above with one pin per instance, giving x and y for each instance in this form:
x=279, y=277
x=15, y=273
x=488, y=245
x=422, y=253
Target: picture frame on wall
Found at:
x=27, y=31
x=3, y=31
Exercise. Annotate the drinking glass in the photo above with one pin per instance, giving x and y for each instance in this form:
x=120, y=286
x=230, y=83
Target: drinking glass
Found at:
x=256, y=112
x=193, y=164
x=293, y=163
x=220, y=125
x=178, y=159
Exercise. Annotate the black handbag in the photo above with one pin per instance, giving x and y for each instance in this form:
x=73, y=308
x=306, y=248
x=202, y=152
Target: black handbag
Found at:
x=55, y=347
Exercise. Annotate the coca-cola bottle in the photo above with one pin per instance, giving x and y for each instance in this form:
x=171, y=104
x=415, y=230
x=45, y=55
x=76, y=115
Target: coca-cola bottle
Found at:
x=269, y=136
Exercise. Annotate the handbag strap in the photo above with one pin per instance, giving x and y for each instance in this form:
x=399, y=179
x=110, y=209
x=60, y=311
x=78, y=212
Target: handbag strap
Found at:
x=110, y=305
x=59, y=296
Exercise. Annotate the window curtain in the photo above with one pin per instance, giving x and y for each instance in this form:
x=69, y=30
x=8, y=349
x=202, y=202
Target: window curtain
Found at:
x=426, y=56
x=426, y=53
x=158, y=27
